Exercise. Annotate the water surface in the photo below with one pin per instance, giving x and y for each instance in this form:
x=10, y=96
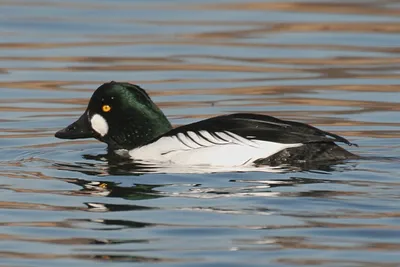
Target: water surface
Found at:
x=333, y=64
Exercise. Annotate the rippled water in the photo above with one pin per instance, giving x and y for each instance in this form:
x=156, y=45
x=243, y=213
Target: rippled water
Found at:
x=334, y=64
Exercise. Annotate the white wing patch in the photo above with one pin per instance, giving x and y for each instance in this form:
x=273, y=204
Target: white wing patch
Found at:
x=99, y=124
x=201, y=141
x=204, y=148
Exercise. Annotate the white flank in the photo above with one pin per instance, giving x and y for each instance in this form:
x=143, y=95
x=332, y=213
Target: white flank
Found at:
x=202, y=148
x=99, y=124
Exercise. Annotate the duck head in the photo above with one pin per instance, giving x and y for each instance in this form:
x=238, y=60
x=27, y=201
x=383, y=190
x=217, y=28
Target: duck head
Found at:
x=121, y=115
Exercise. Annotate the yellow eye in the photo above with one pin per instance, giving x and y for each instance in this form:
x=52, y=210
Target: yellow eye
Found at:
x=106, y=108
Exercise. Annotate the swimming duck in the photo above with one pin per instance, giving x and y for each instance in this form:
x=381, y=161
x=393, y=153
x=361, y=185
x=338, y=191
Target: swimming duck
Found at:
x=123, y=116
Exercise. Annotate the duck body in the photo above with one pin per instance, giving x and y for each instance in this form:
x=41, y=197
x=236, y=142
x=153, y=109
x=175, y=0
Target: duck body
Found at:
x=123, y=116
x=242, y=140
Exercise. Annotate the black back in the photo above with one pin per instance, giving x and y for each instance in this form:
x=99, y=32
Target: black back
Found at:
x=261, y=127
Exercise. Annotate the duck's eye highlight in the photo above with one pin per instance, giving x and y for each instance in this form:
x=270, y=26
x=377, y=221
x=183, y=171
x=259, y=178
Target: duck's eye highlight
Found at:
x=106, y=108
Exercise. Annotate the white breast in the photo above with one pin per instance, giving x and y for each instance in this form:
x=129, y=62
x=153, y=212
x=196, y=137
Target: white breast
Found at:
x=202, y=148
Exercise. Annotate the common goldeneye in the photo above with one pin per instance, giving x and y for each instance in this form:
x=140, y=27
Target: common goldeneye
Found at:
x=123, y=116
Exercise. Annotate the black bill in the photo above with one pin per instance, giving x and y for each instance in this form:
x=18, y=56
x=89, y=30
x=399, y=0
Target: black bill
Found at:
x=77, y=130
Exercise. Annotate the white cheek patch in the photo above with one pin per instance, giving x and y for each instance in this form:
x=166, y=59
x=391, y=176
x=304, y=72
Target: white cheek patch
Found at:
x=99, y=124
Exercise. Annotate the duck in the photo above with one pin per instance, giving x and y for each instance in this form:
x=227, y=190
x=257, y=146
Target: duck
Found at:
x=123, y=116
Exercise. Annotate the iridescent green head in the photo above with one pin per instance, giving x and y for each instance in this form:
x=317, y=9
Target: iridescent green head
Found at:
x=121, y=115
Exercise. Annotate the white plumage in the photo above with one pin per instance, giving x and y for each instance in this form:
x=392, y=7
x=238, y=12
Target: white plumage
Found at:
x=99, y=124
x=203, y=148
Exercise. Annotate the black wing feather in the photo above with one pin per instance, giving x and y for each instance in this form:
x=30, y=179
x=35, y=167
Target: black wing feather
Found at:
x=261, y=127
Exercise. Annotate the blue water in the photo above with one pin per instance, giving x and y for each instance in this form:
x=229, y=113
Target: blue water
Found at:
x=332, y=64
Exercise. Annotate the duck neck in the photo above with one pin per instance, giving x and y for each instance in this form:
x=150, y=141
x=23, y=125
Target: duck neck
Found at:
x=130, y=132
